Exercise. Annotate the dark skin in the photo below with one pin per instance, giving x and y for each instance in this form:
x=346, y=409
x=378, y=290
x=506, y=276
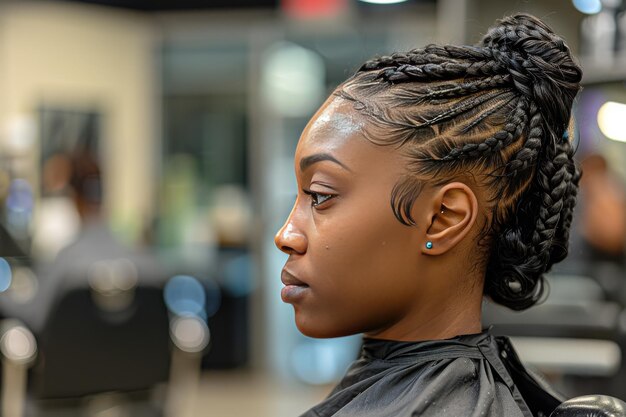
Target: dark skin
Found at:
x=353, y=267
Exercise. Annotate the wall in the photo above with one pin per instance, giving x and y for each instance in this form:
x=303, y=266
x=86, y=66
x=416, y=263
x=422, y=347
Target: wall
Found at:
x=81, y=56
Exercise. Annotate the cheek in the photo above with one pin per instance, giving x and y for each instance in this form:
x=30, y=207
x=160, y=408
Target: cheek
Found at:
x=362, y=247
x=364, y=275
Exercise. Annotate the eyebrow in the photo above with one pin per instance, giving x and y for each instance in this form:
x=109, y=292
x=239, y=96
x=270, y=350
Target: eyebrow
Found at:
x=307, y=161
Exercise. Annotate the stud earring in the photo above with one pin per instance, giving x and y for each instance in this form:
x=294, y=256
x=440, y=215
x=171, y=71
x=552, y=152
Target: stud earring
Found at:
x=429, y=245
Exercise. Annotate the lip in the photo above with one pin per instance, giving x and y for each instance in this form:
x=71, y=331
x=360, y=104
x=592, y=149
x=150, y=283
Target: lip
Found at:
x=288, y=278
x=294, y=289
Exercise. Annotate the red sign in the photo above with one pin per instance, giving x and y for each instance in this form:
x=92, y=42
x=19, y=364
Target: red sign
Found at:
x=312, y=9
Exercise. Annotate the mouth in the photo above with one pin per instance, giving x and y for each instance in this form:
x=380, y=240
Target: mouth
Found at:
x=294, y=289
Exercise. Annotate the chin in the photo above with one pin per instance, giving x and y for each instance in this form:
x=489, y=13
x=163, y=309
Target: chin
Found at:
x=319, y=328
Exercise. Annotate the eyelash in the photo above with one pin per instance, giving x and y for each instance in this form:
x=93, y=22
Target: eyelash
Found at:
x=315, y=197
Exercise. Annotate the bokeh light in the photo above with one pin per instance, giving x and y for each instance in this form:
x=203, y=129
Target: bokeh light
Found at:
x=6, y=276
x=18, y=344
x=293, y=79
x=24, y=284
x=611, y=117
x=20, y=198
x=190, y=334
x=185, y=296
x=588, y=6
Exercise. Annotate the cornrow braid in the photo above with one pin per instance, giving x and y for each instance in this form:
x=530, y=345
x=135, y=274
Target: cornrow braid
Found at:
x=559, y=253
x=511, y=131
x=445, y=91
x=499, y=109
x=529, y=151
x=481, y=59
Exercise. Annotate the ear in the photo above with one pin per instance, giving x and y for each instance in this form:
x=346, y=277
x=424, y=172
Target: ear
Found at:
x=452, y=214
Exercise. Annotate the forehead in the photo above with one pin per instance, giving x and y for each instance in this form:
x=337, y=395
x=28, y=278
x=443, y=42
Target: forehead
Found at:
x=334, y=124
x=338, y=129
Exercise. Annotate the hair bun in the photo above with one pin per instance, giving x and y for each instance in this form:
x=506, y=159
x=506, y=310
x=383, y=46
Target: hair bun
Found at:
x=540, y=64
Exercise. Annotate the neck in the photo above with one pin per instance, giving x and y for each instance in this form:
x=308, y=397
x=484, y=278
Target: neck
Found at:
x=438, y=319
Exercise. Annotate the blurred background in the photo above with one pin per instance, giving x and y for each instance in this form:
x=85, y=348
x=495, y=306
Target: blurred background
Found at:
x=146, y=154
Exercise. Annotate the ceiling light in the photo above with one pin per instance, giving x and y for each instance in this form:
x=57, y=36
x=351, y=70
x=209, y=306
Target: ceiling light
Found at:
x=383, y=1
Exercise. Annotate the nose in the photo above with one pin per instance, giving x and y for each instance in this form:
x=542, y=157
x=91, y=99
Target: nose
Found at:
x=290, y=239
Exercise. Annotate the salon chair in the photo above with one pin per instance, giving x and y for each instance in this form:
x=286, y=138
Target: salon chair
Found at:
x=89, y=347
x=567, y=339
x=591, y=406
x=104, y=345
x=573, y=341
x=574, y=336
x=100, y=353
x=575, y=308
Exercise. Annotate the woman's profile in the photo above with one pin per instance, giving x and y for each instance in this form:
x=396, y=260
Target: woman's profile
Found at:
x=427, y=181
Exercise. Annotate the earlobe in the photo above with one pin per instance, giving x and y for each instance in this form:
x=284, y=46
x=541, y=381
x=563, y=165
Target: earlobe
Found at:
x=454, y=208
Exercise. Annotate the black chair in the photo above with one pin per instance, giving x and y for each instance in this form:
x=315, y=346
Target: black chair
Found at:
x=574, y=336
x=591, y=406
x=87, y=350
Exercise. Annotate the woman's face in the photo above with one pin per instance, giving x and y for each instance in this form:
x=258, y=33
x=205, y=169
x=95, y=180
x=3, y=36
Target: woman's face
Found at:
x=352, y=267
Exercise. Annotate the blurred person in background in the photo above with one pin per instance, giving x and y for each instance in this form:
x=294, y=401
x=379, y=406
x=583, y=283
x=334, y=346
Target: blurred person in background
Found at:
x=428, y=180
x=57, y=222
x=93, y=256
x=599, y=240
x=604, y=216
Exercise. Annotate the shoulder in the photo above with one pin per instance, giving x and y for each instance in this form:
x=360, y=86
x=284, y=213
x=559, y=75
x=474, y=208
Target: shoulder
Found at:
x=474, y=375
x=463, y=387
x=457, y=387
x=440, y=379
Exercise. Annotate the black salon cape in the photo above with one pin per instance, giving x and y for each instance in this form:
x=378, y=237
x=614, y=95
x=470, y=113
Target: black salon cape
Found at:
x=475, y=375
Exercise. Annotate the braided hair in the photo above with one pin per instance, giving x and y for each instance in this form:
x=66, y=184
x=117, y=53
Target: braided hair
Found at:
x=499, y=110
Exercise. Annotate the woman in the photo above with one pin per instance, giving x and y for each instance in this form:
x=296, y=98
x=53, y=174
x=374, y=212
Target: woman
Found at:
x=428, y=180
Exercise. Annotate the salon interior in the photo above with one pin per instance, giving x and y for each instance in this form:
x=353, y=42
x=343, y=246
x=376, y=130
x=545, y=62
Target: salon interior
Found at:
x=181, y=119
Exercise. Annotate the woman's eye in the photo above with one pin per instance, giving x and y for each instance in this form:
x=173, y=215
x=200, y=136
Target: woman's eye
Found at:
x=318, y=198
